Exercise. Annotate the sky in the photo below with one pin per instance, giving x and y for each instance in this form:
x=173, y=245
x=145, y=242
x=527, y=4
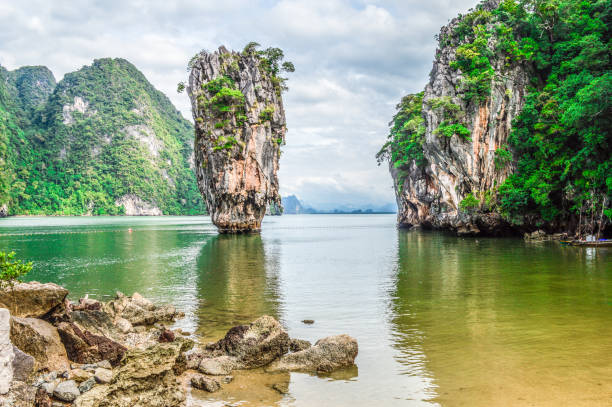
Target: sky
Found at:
x=354, y=61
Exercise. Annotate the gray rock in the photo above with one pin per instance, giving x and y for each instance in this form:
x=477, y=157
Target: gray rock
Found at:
x=205, y=383
x=50, y=386
x=87, y=385
x=218, y=366
x=103, y=376
x=327, y=355
x=237, y=152
x=6, y=352
x=3, y=211
x=228, y=379
x=23, y=365
x=66, y=391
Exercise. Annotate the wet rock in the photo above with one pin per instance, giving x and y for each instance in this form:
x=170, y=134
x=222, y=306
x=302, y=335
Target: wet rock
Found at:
x=6, y=351
x=32, y=299
x=308, y=321
x=23, y=365
x=205, y=383
x=254, y=345
x=66, y=391
x=326, y=355
x=166, y=335
x=40, y=340
x=218, y=366
x=237, y=151
x=103, y=376
x=85, y=347
x=282, y=388
x=87, y=385
x=297, y=345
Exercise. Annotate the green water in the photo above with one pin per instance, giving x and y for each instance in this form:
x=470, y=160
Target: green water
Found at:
x=440, y=320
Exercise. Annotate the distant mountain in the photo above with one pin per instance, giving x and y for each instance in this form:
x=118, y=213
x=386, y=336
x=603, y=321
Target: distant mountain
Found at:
x=293, y=206
x=101, y=141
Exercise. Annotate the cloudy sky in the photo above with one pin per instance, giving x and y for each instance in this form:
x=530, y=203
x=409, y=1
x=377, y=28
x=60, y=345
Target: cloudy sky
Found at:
x=354, y=60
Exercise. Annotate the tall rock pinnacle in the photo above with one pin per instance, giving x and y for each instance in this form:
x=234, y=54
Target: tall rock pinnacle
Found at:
x=239, y=128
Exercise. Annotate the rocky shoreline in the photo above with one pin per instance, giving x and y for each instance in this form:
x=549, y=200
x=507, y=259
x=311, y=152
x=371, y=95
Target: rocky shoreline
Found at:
x=90, y=353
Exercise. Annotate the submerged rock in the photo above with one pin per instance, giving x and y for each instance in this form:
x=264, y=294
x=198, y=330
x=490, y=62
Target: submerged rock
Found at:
x=328, y=354
x=32, y=299
x=41, y=340
x=254, y=345
x=239, y=128
x=205, y=383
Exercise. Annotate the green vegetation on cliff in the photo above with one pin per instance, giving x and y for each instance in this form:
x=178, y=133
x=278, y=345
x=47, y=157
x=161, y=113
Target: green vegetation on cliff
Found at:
x=561, y=142
x=104, y=134
x=563, y=138
x=405, y=140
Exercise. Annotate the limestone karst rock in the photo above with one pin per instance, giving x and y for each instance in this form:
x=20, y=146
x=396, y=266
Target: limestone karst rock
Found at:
x=429, y=193
x=239, y=128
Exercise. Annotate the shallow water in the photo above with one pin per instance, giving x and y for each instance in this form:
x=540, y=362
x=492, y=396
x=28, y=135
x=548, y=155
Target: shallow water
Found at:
x=440, y=320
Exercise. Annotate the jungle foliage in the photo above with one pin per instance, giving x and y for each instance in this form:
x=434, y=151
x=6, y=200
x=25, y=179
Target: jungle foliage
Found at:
x=561, y=143
x=125, y=138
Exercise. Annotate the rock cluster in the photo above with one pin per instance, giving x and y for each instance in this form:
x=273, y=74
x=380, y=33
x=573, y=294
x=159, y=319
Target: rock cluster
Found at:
x=87, y=353
x=239, y=128
x=120, y=353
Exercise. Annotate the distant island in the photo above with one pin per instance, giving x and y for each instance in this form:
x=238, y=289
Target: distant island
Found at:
x=293, y=206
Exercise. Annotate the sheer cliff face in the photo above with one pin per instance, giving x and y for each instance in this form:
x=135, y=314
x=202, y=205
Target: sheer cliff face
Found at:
x=430, y=195
x=239, y=128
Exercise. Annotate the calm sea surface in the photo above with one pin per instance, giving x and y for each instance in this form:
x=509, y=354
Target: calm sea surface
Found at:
x=440, y=320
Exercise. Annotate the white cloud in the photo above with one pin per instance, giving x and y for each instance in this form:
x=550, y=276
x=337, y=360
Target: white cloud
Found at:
x=354, y=61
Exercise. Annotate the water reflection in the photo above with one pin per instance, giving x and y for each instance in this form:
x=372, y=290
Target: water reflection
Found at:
x=238, y=281
x=502, y=322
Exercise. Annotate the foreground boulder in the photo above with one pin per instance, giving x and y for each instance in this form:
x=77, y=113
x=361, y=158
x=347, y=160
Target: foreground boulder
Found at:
x=6, y=351
x=32, y=299
x=327, y=355
x=41, y=340
x=144, y=378
x=254, y=345
x=85, y=347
